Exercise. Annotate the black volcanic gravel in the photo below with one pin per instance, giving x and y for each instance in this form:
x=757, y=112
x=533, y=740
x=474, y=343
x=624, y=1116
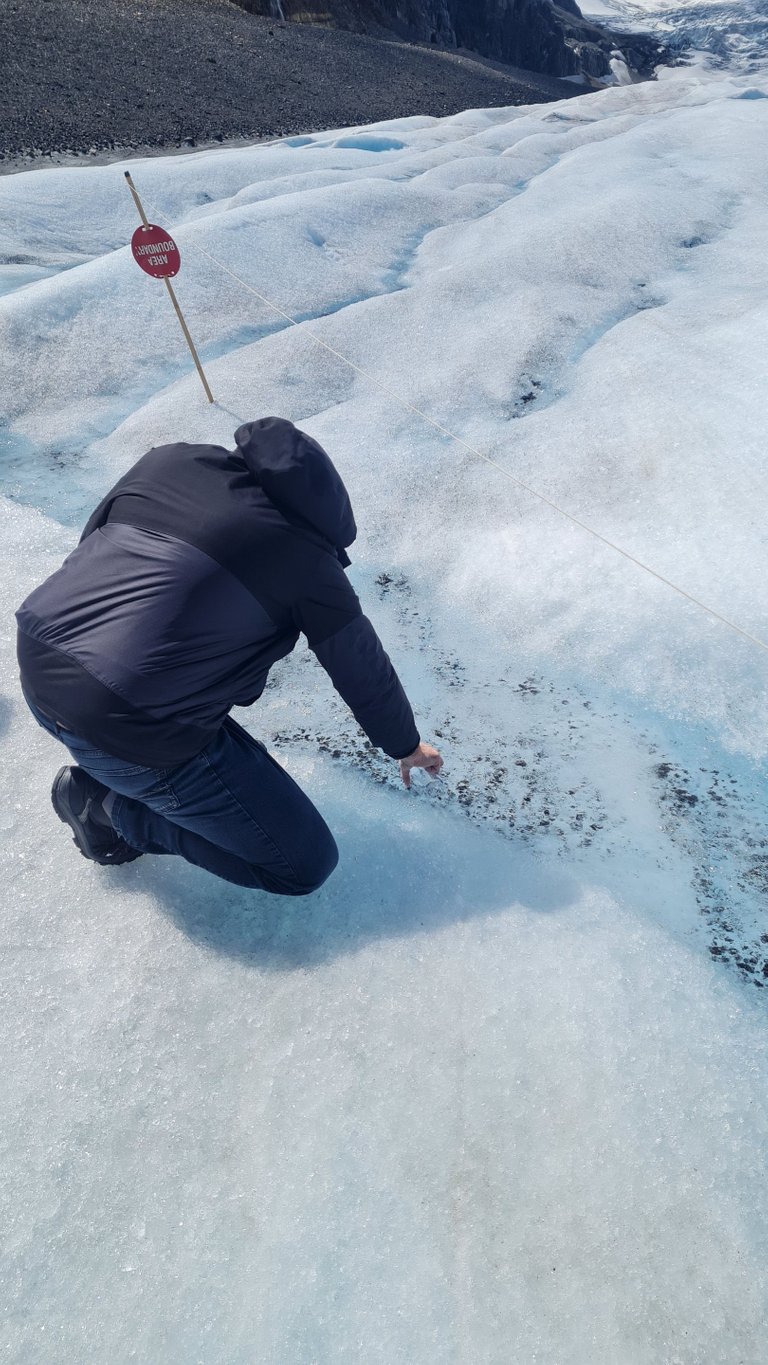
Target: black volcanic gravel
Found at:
x=84, y=75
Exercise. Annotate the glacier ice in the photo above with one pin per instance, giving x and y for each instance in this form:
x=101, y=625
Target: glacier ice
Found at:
x=498, y=1090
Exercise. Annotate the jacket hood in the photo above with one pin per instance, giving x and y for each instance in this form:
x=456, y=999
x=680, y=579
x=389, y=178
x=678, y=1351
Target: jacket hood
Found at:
x=299, y=478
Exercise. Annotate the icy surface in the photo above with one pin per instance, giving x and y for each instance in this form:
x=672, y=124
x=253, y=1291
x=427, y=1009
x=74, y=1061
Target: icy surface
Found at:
x=732, y=31
x=499, y=1090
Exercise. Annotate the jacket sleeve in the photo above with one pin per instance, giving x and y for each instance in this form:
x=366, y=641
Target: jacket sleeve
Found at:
x=345, y=642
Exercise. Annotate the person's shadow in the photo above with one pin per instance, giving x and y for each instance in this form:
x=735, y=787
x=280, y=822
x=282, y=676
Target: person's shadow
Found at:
x=404, y=868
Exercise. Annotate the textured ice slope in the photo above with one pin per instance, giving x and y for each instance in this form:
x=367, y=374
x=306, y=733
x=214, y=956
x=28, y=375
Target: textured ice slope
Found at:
x=503, y=1079
x=732, y=31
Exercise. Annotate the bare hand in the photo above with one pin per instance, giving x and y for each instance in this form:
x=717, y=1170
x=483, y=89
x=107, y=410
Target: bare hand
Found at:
x=422, y=757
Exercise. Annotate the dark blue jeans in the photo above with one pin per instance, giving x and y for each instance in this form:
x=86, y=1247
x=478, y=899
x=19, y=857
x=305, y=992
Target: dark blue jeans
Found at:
x=231, y=809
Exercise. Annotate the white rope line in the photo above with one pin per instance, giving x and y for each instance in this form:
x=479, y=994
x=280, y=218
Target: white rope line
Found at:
x=479, y=454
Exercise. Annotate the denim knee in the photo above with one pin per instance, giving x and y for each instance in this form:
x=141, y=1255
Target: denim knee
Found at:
x=326, y=861
x=319, y=858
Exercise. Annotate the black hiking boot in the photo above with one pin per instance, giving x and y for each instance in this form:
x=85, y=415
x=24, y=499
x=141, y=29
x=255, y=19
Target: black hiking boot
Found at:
x=77, y=799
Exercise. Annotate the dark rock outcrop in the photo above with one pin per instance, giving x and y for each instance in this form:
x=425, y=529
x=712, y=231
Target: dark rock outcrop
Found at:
x=534, y=34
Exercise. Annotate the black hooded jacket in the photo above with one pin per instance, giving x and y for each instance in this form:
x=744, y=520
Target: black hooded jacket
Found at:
x=196, y=573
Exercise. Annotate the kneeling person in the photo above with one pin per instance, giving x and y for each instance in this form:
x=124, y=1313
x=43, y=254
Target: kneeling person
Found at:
x=196, y=573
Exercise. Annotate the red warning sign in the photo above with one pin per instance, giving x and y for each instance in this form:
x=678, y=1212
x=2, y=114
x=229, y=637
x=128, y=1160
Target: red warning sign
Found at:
x=155, y=251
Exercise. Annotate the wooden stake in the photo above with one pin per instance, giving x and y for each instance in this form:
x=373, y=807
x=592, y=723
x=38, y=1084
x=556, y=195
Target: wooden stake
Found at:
x=173, y=298
x=190, y=342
